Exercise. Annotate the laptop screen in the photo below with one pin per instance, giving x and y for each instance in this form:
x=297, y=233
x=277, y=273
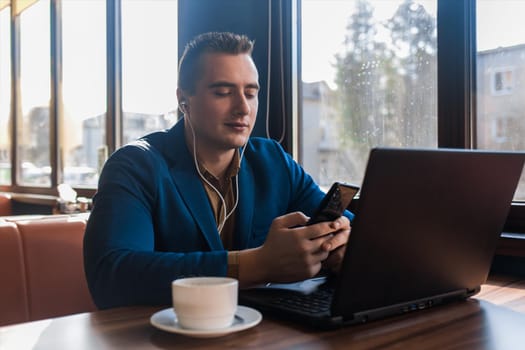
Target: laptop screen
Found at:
x=427, y=223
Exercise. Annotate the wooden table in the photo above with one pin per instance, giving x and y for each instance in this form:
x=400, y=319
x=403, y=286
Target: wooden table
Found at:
x=493, y=319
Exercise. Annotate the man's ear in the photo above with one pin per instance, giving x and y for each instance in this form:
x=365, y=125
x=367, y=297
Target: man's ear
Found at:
x=183, y=101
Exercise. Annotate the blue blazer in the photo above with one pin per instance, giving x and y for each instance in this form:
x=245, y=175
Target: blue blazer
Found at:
x=152, y=223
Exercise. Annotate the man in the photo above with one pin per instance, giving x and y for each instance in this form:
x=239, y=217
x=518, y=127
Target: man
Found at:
x=203, y=198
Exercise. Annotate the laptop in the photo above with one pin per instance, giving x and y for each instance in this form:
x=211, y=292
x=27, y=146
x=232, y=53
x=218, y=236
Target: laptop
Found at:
x=425, y=232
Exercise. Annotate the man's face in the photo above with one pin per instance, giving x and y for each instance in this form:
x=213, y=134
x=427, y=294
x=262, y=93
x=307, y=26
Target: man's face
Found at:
x=224, y=106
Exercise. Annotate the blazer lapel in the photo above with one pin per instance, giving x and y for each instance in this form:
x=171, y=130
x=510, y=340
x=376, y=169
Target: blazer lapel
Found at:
x=190, y=187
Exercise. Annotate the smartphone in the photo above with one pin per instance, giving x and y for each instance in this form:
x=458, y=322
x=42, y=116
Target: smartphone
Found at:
x=334, y=203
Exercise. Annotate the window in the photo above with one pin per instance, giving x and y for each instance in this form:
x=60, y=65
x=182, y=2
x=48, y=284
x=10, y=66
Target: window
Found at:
x=371, y=82
x=33, y=125
x=5, y=97
x=500, y=73
x=369, y=77
x=502, y=82
x=149, y=67
x=67, y=119
x=84, y=90
x=499, y=129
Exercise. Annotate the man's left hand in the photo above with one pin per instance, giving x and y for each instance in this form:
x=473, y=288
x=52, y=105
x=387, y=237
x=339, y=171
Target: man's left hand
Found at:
x=337, y=244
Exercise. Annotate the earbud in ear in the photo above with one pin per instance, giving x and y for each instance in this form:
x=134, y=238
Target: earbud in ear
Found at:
x=183, y=106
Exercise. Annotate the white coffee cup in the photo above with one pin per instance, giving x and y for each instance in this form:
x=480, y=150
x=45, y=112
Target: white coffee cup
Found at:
x=205, y=303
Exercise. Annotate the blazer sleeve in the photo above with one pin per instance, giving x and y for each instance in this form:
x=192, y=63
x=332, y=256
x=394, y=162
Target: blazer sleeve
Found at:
x=132, y=252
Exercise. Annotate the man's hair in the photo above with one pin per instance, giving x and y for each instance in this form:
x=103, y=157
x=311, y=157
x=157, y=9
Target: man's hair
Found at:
x=212, y=42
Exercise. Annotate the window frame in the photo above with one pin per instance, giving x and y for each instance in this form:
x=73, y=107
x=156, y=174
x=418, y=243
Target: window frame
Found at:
x=456, y=25
x=113, y=81
x=457, y=53
x=506, y=89
x=456, y=81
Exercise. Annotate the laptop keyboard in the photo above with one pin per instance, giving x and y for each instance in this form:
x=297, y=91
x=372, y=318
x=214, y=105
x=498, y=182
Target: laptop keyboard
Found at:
x=316, y=302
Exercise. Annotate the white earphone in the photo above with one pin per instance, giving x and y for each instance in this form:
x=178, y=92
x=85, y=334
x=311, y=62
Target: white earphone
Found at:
x=184, y=108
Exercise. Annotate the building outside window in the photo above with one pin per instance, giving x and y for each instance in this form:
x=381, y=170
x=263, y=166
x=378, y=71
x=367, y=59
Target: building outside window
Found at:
x=500, y=78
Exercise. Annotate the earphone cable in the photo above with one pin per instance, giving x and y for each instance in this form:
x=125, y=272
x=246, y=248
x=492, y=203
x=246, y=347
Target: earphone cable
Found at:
x=225, y=212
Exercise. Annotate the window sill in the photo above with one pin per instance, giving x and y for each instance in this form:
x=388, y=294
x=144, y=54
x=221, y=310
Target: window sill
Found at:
x=37, y=199
x=511, y=244
x=30, y=203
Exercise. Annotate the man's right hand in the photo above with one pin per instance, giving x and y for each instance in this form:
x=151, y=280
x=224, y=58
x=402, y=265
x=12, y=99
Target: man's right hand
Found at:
x=291, y=252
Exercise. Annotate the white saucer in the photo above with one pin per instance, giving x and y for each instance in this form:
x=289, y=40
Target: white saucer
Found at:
x=245, y=318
